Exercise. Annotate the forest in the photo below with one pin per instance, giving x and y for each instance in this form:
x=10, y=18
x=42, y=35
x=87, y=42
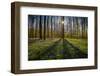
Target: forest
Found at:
x=57, y=37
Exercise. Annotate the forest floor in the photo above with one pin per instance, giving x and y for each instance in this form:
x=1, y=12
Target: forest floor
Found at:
x=57, y=49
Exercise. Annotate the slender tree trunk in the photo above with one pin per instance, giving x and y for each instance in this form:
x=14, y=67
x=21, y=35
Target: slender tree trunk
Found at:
x=62, y=28
x=36, y=27
x=44, y=27
x=54, y=27
x=51, y=28
x=32, y=28
x=47, y=27
x=40, y=30
x=86, y=27
x=77, y=27
x=71, y=26
x=82, y=27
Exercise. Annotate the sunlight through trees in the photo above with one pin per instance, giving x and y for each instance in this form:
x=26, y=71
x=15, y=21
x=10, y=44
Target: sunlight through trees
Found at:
x=44, y=27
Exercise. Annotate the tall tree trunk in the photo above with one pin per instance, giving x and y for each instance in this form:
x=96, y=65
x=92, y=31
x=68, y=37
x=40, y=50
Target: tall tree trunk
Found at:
x=86, y=27
x=54, y=27
x=32, y=28
x=36, y=27
x=51, y=28
x=44, y=27
x=62, y=27
x=82, y=27
x=40, y=30
x=48, y=27
x=77, y=28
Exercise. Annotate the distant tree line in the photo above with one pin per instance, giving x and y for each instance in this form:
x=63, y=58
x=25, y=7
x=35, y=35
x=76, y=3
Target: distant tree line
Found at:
x=44, y=27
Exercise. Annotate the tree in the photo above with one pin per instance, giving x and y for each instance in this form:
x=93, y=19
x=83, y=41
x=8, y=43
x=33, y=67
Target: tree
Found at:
x=40, y=27
x=44, y=27
x=51, y=27
x=47, y=26
x=62, y=27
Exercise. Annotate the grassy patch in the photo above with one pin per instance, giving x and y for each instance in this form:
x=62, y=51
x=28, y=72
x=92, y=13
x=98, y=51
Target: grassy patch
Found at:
x=38, y=47
x=79, y=43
